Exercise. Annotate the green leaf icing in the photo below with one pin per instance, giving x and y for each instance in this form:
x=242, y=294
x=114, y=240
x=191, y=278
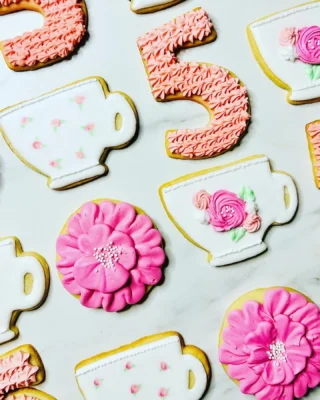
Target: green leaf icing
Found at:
x=313, y=71
x=237, y=234
x=247, y=194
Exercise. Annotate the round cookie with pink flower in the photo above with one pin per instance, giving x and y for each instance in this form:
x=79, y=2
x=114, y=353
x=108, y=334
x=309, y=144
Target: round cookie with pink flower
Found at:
x=270, y=344
x=302, y=44
x=109, y=255
x=229, y=212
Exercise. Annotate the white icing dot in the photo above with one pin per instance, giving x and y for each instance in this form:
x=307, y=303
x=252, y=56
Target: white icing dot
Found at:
x=108, y=255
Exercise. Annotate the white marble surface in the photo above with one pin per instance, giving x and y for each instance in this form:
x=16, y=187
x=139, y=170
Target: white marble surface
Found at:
x=195, y=295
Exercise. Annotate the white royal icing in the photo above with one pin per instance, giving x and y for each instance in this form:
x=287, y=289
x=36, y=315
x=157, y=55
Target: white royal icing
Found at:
x=64, y=134
x=12, y=296
x=109, y=378
x=137, y=5
x=266, y=34
x=269, y=188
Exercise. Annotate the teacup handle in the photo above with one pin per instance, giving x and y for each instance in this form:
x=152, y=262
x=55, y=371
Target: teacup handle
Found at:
x=195, y=365
x=31, y=266
x=286, y=182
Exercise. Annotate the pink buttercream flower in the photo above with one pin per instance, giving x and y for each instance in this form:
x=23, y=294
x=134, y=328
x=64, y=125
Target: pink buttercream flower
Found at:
x=201, y=200
x=163, y=392
x=110, y=255
x=164, y=366
x=273, y=349
x=134, y=389
x=129, y=366
x=252, y=223
x=97, y=382
x=226, y=211
x=55, y=123
x=79, y=100
x=308, y=45
x=288, y=36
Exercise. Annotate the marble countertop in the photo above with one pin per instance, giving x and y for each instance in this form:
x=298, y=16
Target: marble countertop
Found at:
x=194, y=296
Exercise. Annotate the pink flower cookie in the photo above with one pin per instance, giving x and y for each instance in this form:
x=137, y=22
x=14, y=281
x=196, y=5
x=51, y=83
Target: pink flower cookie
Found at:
x=272, y=346
x=110, y=255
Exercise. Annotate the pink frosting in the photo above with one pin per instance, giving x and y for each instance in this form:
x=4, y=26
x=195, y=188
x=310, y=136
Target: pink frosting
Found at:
x=16, y=372
x=308, y=45
x=273, y=349
x=109, y=255
x=252, y=223
x=217, y=87
x=201, y=200
x=314, y=133
x=63, y=29
x=226, y=211
x=288, y=36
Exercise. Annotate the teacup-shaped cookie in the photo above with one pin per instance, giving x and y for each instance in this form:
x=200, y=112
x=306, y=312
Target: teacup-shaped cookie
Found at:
x=66, y=134
x=227, y=210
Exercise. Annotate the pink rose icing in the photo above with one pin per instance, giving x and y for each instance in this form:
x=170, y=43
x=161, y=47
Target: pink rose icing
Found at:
x=288, y=36
x=273, y=349
x=314, y=133
x=308, y=45
x=201, y=200
x=109, y=255
x=63, y=30
x=252, y=223
x=226, y=211
x=16, y=372
x=222, y=92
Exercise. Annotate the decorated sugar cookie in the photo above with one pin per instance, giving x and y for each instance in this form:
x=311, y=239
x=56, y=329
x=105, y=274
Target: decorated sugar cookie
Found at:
x=313, y=135
x=214, y=87
x=29, y=394
x=287, y=46
x=20, y=368
x=24, y=285
x=153, y=367
x=63, y=30
x=227, y=210
x=66, y=134
x=270, y=344
x=146, y=6
x=109, y=255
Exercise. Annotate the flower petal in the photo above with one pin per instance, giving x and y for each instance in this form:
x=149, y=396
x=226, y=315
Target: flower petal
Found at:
x=263, y=336
x=247, y=319
x=67, y=248
x=74, y=226
x=276, y=301
x=278, y=372
x=149, y=276
x=139, y=228
x=152, y=238
x=128, y=258
x=231, y=355
x=121, y=239
x=258, y=356
x=89, y=212
x=70, y=284
x=289, y=332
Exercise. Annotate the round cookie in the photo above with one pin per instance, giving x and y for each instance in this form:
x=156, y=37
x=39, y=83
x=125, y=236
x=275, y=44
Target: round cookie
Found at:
x=269, y=343
x=109, y=254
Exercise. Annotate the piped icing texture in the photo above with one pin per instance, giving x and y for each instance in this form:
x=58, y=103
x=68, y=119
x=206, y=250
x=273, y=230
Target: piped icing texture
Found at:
x=16, y=372
x=63, y=30
x=110, y=255
x=222, y=92
x=314, y=134
x=273, y=348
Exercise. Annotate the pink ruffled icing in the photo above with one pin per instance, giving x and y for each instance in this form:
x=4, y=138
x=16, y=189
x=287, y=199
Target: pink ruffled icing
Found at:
x=63, y=29
x=252, y=223
x=226, y=210
x=288, y=36
x=216, y=86
x=273, y=349
x=109, y=255
x=314, y=132
x=16, y=372
x=308, y=45
x=201, y=200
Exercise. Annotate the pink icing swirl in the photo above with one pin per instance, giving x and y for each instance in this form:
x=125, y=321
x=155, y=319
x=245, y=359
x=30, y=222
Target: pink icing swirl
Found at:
x=252, y=223
x=226, y=211
x=63, y=30
x=215, y=85
x=288, y=36
x=16, y=372
x=201, y=200
x=109, y=255
x=273, y=349
x=308, y=45
x=314, y=133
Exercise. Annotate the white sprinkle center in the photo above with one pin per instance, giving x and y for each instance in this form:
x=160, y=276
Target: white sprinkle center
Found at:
x=107, y=256
x=277, y=352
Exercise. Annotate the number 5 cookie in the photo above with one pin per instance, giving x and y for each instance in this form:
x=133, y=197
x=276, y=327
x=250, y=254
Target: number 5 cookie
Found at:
x=287, y=46
x=24, y=285
x=63, y=30
x=153, y=367
x=227, y=210
x=66, y=134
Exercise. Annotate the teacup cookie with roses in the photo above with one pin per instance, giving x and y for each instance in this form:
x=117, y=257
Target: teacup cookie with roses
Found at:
x=287, y=46
x=149, y=6
x=109, y=255
x=227, y=210
x=153, y=367
x=65, y=24
x=270, y=344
